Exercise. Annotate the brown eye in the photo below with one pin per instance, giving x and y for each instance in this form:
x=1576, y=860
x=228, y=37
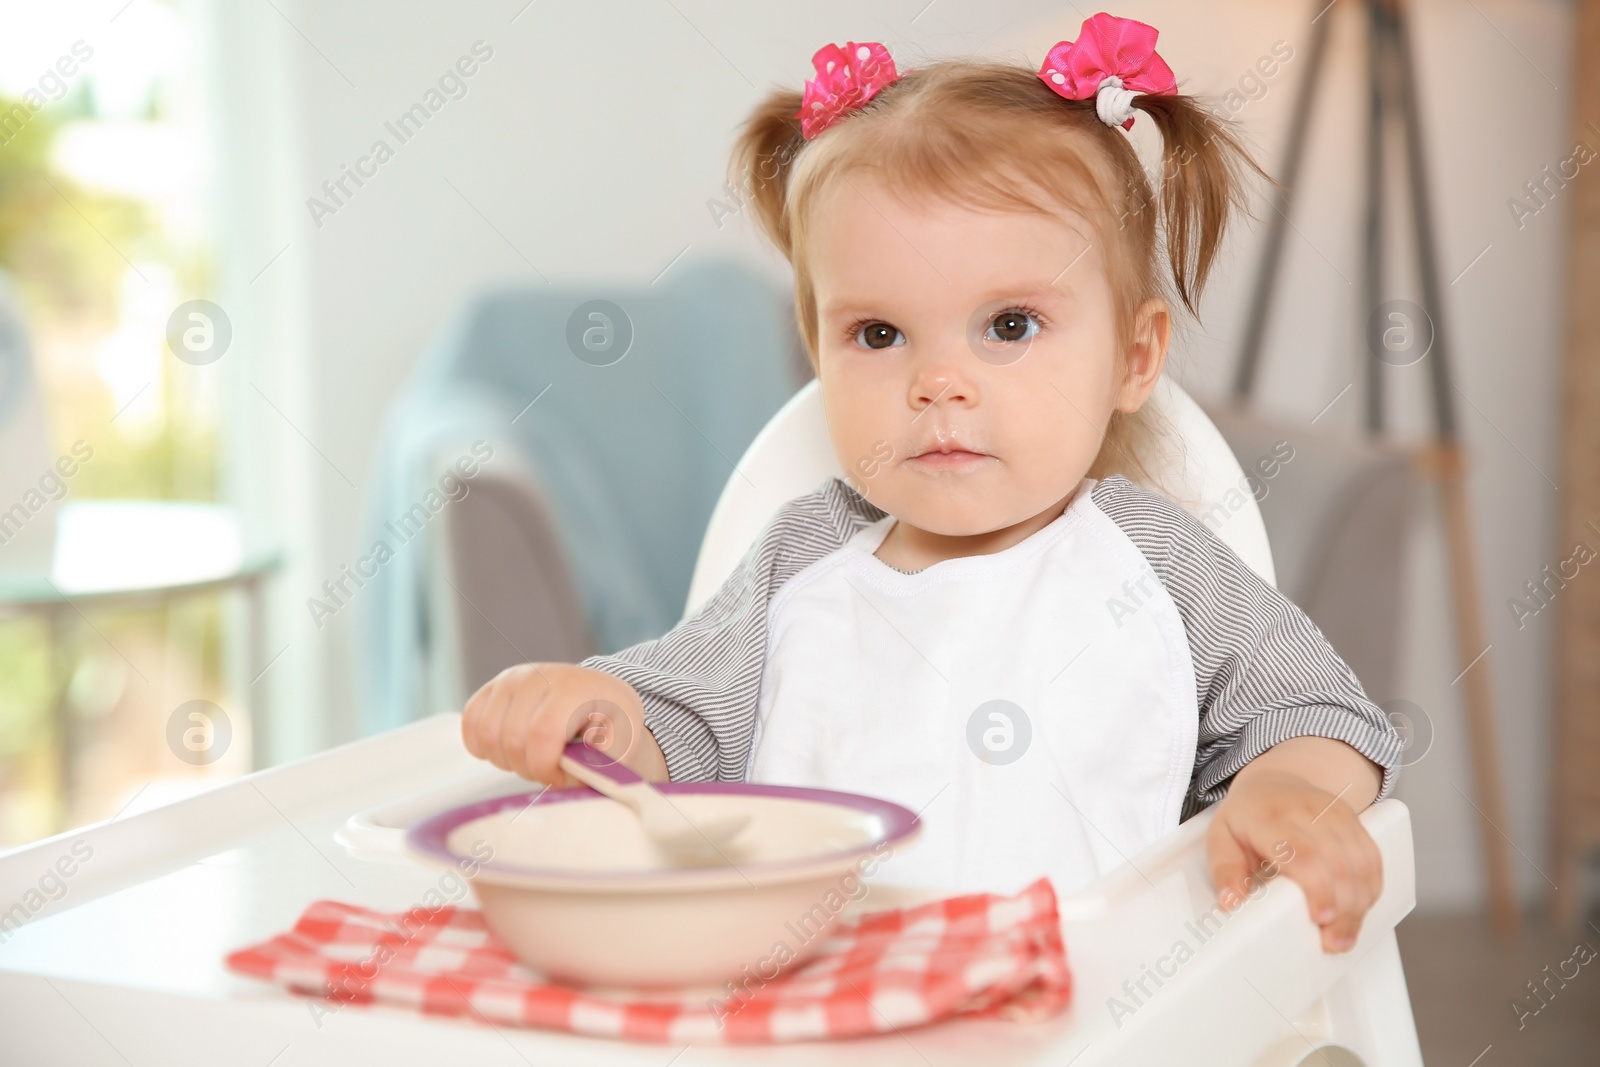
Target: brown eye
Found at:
x=1013, y=325
x=878, y=335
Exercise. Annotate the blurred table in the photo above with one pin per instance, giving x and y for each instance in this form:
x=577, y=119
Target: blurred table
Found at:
x=126, y=554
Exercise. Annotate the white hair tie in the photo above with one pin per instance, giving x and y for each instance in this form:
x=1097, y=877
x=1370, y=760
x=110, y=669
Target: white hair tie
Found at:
x=1112, y=102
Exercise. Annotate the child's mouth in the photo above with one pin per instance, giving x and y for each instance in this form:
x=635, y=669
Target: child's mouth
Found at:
x=955, y=459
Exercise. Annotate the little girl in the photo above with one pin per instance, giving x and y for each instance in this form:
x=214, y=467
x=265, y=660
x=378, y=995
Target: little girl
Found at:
x=993, y=625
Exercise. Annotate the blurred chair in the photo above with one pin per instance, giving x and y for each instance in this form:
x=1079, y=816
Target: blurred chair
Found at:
x=501, y=588
x=614, y=414
x=1339, y=513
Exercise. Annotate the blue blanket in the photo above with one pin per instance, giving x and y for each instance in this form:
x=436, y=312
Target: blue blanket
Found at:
x=632, y=451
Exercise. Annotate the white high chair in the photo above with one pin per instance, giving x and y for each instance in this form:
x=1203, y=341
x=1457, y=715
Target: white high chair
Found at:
x=1270, y=997
x=118, y=957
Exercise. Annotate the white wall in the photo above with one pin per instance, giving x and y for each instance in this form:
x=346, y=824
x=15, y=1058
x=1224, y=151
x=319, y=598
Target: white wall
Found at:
x=589, y=145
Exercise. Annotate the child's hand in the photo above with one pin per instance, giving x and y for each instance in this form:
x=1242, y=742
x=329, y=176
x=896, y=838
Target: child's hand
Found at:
x=522, y=719
x=1274, y=815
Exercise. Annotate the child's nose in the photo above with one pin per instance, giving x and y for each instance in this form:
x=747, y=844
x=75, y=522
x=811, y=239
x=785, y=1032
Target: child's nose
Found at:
x=941, y=385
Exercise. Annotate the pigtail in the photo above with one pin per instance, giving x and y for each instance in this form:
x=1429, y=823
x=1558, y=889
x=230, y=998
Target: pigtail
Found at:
x=1204, y=167
x=763, y=158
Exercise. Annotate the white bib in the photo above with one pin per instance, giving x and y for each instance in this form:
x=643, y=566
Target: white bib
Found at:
x=1036, y=705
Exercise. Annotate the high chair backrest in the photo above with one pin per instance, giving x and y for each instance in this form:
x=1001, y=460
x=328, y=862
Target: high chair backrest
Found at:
x=792, y=455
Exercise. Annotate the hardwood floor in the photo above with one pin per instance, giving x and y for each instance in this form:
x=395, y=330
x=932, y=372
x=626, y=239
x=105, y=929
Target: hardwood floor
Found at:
x=1464, y=985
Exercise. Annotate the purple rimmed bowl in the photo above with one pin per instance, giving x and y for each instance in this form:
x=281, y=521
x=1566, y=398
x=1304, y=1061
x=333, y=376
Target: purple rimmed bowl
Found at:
x=570, y=884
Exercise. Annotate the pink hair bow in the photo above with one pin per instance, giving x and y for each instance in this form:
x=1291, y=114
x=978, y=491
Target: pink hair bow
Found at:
x=846, y=79
x=1113, y=60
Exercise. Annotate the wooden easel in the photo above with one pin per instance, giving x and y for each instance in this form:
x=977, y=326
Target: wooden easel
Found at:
x=1393, y=95
x=1576, y=741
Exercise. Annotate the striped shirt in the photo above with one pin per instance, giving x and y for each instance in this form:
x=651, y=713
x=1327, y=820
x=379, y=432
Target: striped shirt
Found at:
x=1263, y=670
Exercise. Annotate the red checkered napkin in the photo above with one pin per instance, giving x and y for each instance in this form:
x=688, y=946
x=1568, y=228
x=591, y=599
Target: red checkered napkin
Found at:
x=972, y=955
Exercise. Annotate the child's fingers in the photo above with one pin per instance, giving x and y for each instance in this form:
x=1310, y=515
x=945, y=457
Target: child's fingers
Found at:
x=527, y=691
x=1360, y=867
x=547, y=736
x=1227, y=858
x=1319, y=867
x=1340, y=934
x=520, y=742
x=1326, y=867
x=1314, y=872
x=1367, y=860
x=1333, y=859
x=490, y=720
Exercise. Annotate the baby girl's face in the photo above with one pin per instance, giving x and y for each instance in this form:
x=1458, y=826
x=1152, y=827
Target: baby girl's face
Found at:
x=967, y=359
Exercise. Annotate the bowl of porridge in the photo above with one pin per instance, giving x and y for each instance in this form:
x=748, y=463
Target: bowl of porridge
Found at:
x=570, y=884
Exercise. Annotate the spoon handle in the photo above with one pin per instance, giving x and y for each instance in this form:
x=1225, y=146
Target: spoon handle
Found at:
x=596, y=763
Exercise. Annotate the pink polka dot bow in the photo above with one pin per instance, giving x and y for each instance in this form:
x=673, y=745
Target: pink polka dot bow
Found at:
x=846, y=79
x=1113, y=60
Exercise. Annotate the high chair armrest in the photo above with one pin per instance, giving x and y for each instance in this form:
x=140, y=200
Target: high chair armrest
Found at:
x=1183, y=849
x=1163, y=975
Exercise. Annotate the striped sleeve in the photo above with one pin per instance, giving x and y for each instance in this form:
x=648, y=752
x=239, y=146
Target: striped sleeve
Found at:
x=700, y=681
x=1264, y=672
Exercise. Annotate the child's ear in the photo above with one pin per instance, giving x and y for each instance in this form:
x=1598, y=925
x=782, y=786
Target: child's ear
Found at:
x=1146, y=356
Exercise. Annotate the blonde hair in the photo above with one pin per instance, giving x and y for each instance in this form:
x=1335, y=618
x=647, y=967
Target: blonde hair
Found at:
x=992, y=135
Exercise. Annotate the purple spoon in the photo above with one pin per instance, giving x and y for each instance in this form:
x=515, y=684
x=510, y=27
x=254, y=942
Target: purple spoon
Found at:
x=684, y=841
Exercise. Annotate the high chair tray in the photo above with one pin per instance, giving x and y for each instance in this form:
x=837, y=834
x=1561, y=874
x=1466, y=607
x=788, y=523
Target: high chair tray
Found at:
x=124, y=965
